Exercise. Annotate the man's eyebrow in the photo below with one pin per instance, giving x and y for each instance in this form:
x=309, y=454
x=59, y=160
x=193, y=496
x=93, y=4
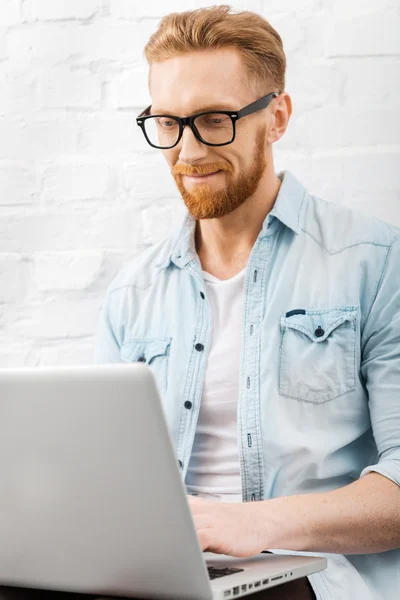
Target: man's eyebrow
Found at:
x=214, y=106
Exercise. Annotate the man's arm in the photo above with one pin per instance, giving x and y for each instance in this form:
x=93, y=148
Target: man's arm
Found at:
x=364, y=516
x=361, y=518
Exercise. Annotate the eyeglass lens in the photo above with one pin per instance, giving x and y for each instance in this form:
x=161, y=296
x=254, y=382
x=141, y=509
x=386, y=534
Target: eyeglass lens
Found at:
x=214, y=128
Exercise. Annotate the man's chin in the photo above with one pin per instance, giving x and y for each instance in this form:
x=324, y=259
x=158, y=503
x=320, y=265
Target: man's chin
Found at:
x=204, y=203
x=209, y=210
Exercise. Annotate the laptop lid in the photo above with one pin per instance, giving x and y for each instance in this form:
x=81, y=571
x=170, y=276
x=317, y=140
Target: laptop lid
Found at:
x=91, y=497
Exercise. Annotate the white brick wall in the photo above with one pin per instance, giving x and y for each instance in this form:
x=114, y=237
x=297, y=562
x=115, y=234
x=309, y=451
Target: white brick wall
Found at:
x=60, y=9
x=78, y=196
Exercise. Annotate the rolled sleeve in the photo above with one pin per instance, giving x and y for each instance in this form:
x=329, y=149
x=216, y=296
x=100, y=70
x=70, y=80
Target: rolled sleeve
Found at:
x=380, y=367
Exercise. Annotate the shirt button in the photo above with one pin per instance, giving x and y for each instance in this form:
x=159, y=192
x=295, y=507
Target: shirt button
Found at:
x=142, y=359
x=202, y=295
x=180, y=464
x=319, y=332
x=199, y=347
x=188, y=404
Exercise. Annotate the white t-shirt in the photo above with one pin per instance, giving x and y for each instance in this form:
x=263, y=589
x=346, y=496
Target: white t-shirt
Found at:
x=214, y=464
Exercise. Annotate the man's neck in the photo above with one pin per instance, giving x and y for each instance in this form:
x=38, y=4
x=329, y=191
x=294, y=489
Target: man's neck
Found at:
x=224, y=244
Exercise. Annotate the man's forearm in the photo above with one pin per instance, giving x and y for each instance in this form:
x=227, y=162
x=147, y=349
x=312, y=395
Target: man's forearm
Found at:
x=360, y=518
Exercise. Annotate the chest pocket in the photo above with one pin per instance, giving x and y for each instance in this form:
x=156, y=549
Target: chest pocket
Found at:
x=317, y=354
x=151, y=351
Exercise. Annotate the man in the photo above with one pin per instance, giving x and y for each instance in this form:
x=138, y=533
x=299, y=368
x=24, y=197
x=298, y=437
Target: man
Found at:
x=271, y=320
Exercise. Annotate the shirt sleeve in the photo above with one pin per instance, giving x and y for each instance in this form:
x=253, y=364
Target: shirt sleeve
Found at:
x=108, y=338
x=380, y=367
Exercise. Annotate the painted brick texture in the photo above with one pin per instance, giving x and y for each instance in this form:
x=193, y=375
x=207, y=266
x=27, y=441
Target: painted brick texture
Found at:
x=81, y=194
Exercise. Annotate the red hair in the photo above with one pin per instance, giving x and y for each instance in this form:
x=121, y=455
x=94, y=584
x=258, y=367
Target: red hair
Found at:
x=212, y=27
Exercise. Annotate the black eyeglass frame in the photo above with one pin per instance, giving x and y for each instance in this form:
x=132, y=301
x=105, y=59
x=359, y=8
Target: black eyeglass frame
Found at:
x=235, y=115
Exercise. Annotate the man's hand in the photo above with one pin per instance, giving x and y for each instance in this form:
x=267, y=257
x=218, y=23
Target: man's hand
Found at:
x=236, y=529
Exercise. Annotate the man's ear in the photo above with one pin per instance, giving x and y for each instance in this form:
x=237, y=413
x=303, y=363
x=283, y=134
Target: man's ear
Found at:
x=280, y=117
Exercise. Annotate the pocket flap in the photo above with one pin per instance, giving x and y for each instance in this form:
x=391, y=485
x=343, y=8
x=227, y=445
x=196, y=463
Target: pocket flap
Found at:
x=144, y=348
x=319, y=324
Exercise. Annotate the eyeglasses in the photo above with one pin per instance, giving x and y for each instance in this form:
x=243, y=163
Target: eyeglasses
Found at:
x=214, y=128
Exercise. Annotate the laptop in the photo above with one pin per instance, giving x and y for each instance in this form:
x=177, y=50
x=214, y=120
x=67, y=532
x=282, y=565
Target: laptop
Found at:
x=92, y=498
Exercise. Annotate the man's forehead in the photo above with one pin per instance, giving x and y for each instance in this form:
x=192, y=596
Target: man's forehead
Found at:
x=198, y=81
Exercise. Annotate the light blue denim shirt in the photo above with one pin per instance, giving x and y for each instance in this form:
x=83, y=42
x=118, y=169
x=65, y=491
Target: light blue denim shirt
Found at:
x=319, y=393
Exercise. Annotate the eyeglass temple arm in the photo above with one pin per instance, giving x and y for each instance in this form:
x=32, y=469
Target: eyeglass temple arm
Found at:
x=247, y=110
x=257, y=105
x=145, y=112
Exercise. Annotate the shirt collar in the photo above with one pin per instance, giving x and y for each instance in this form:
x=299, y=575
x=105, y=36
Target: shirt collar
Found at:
x=287, y=209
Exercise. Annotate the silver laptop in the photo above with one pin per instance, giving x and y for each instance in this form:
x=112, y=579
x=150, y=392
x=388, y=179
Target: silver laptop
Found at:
x=91, y=495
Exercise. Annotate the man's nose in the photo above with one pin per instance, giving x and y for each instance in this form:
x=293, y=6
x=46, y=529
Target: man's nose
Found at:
x=191, y=149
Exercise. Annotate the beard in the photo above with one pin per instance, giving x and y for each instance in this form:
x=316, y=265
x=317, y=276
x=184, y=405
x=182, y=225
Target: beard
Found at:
x=204, y=203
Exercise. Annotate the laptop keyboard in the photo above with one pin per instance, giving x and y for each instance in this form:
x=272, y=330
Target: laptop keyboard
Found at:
x=215, y=573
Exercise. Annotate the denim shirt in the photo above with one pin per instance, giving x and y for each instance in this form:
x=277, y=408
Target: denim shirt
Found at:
x=319, y=391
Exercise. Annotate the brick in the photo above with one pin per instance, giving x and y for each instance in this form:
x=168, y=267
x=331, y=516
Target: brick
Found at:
x=77, y=352
x=74, y=41
x=333, y=128
x=130, y=90
x=140, y=184
x=302, y=34
x=57, y=318
x=158, y=221
x=314, y=85
x=371, y=35
x=62, y=9
x=238, y=5
x=296, y=33
x=127, y=9
x=67, y=270
x=115, y=228
x=343, y=175
x=17, y=186
x=17, y=92
x=118, y=228
x=355, y=8
x=370, y=82
x=37, y=140
x=9, y=12
x=113, y=262
x=3, y=44
x=63, y=183
x=17, y=354
x=110, y=135
x=385, y=211
x=377, y=172
x=14, y=278
x=273, y=6
x=319, y=174
x=62, y=88
x=109, y=41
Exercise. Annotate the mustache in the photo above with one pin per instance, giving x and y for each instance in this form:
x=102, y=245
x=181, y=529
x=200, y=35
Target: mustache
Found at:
x=200, y=169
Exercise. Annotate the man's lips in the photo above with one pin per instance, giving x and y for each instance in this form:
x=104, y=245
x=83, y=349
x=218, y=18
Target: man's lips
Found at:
x=197, y=176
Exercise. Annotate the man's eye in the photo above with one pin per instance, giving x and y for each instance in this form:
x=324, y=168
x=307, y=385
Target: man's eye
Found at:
x=167, y=123
x=218, y=120
x=214, y=120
